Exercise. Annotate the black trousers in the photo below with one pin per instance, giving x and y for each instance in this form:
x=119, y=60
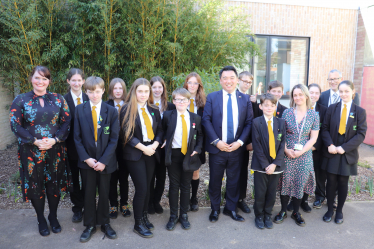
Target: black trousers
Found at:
x=179, y=180
x=218, y=163
x=243, y=180
x=91, y=180
x=265, y=193
x=141, y=173
x=321, y=176
x=121, y=175
x=77, y=195
x=159, y=177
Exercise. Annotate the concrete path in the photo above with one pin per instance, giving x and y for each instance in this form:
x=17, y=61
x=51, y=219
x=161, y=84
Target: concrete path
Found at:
x=18, y=229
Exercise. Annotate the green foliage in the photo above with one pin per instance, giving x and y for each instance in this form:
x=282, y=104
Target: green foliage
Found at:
x=126, y=39
x=370, y=186
x=357, y=185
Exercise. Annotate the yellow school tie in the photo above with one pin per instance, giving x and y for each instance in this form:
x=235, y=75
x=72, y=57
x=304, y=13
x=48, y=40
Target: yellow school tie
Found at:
x=192, y=107
x=271, y=141
x=275, y=113
x=94, y=118
x=79, y=101
x=157, y=104
x=184, y=136
x=148, y=125
x=343, y=120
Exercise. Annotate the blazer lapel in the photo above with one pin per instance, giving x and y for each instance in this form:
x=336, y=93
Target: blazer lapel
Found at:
x=220, y=101
x=192, y=121
x=152, y=112
x=350, y=120
x=265, y=134
x=87, y=109
x=71, y=104
x=85, y=97
x=103, y=115
x=275, y=131
x=241, y=105
x=173, y=124
x=337, y=117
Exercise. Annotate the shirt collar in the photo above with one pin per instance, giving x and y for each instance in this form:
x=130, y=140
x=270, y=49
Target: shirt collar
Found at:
x=271, y=119
x=314, y=106
x=75, y=96
x=349, y=104
x=142, y=106
x=225, y=93
x=120, y=103
x=98, y=105
x=332, y=92
x=185, y=113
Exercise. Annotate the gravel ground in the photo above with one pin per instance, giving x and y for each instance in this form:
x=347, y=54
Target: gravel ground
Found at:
x=9, y=200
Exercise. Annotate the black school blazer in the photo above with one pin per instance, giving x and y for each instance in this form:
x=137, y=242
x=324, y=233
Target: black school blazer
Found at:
x=70, y=144
x=260, y=141
x=321, y=110
x=107, y=136
x=195, y=139
x=131, y=153
x=202, y=156
x=355, y=130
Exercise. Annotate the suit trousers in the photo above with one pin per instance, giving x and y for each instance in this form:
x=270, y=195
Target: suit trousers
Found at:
x=77, y=195
x=218, y=163
x=243, y=180
x=121, y=175
x=159, y=177
x=141, y=173
x=265, y=193
x=91, y=180
x=179, y=180
x=321, y=176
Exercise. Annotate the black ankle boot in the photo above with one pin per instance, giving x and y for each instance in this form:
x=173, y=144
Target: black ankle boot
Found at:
x=147, y=223
x=141, y=229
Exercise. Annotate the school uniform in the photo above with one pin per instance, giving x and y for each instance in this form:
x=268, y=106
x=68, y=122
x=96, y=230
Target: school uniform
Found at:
x=257, y=112
x=199, y=111
x=103, y=150
x=140, y=166
x=265, y=185
x=181, y=166
x=77, y=195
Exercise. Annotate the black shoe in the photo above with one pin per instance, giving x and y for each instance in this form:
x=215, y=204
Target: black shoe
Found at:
x=158, y=208
x=172, y=222
x=259, y=222
x=87, y=233
x=125, y=211
x=279, y=218
x=268, y=222
x=44, y=232
x=214, y=215
x=141, y=229
x=146, y=222
x=327, y=217
x=55, y=225
x=339, y=218
x=183, y=219
x=298, y=219
x=151, y=209
x=108, y=231
x=317, y=204
x=305, y=207
x=233, y=215
x=244, y=207
x=290, y=207
x=194, y=205
x=77, y=217
x=113, y=212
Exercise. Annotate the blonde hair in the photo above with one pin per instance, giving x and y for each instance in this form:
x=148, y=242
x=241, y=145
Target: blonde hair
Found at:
x=113, y=82
x=305, y=91
x=182, y=92
x=92, y=82
x=200, y=94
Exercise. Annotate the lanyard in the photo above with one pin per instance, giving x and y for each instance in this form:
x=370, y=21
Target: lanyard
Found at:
x=297, y=125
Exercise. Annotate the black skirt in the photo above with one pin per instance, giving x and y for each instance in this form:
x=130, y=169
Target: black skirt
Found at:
x=338, y=164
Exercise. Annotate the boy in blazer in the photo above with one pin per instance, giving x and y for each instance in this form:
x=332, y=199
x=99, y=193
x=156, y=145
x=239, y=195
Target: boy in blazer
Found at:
x=268, y=139
x=183, y=143
x=96, y=134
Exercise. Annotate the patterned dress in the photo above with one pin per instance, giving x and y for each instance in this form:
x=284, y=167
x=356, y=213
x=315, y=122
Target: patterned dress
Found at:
x=298, y=177
x=41, y=171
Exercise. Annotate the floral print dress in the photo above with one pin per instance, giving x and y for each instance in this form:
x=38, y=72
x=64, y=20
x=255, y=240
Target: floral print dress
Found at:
x=298, y=177
x=41, y=171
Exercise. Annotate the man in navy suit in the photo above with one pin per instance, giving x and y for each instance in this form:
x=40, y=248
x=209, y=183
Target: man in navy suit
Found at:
x=331, y=96
x=227, y=121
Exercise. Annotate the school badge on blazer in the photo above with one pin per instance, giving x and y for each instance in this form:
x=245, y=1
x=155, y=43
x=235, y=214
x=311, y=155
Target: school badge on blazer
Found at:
x=106, y=130
x=279, y=137
x=355, y=127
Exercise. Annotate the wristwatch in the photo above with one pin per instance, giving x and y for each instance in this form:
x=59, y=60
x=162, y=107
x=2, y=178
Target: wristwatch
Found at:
x=215, y=142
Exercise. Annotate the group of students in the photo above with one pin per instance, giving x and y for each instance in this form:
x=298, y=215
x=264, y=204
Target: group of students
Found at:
x=140, y=134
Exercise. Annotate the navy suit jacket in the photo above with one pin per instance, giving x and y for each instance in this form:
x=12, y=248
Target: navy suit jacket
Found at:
x=212, y=119
x=325, y=96
x=107, y=136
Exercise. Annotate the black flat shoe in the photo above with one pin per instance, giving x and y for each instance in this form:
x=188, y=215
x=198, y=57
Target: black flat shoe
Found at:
x=268, y=222
x=151, y=209
x=55, y=225
x=259, y=222
x=317, y=204
x=279, y=218
x=172, y=223
x=194, y=205
x=108, y=231
x=77, y=217
x=141, y=229
x=290, y=207
x=298, y=219
x=339, y=218
x=87, y=234
x=158, y=208
x=327, y=217
x=146, y=222
x=305, y=207
x=125, y=211
x=183, y=219
x=113, y=212
x=44, y=232
x=233, y=215
x=244, y=207
x=214, y=215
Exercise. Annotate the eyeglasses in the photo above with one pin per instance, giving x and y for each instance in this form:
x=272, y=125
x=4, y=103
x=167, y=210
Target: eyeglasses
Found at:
x=246, y=82
x=193, y=83
x=336, y=79
x=181, y=100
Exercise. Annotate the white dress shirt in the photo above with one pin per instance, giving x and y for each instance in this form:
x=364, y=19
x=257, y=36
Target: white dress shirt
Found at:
x=349, y=104
x=159, y=107
x=314, y=106
x=75, y=97
x=331, y=97
x=115, y=104
x=194, y=104
x=177, y=141
x=235, y=113
x=98, y=109
x=144, y=128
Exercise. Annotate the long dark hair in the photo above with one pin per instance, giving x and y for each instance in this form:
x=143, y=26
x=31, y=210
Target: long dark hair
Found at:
x=350, y=84
x=200, y=98
x=43, y=71
x=164, y=96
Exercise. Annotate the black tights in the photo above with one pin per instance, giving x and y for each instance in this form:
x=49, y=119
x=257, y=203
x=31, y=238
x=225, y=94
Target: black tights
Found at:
x=39, y=209
x=340, y=183
x=295, y=203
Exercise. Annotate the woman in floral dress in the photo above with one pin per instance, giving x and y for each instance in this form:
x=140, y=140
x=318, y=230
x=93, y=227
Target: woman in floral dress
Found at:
x=298, y=176
x=41, y=121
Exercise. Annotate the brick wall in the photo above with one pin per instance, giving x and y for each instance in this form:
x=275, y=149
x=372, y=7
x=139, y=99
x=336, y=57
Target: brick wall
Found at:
x=332, y=33
x=6, y=135
x=359, y=58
